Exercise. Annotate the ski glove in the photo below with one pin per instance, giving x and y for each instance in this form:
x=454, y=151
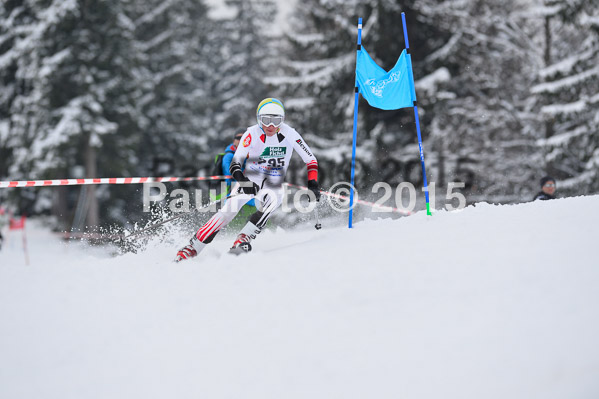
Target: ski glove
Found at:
x=313, y=186
x=249, y=187
x=246, y=185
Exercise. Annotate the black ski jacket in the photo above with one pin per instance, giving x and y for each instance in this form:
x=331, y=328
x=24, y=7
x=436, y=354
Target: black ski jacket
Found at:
x=543, y=196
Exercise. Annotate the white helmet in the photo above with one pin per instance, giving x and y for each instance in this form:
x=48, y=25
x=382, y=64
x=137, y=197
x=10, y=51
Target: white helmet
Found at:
x=270, y=112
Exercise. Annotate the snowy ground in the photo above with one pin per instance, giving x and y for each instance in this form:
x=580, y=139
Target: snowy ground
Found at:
x=488, y=302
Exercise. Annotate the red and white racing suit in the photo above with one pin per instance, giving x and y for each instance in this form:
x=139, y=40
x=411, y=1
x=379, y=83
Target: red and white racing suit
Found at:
x=266, y=162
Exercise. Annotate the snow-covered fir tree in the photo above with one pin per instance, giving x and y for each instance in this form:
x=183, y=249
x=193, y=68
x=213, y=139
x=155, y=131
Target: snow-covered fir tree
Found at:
x=317, y=77
x=568, y=97
x=74, y=73
x=317, y=63
x=320, y=77
x=482, y=122
x=243, y=57
x=507, y=92
x=176, y=106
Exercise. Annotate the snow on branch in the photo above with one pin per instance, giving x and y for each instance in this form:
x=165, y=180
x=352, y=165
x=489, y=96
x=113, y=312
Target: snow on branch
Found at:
x=544, y=11
x=307, y=39
x=564, y=109
x=300, y=103
x=81, y=114
x=590, y=21
x=4, y=130
x=8, y=58
x=560, y=139
x=156, y=40
x=157, y=12
x=565, y=66
x=430, y=82
x=29, y=36
x=565, y=83
x=50, y=17
x=50, y=64
x=309, y=66
x=366, y=26
x=446, y=49
x=584, y=179
x=321, y=75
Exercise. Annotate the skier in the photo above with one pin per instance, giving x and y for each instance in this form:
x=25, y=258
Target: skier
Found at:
x=266, y=150
x=547, y=189
x=223, y=165
x=228, y=157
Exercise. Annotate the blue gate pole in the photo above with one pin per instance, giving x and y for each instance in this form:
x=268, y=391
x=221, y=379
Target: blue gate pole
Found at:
x=353, y=154
x=405, y=35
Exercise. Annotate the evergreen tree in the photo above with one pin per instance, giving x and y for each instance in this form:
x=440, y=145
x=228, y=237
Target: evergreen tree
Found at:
x=506, y=92
x=317, y=81
x=74, y=72
x=15, y=16
x=245, y=56
x=567, y=96
x=320, y=78
x=317, y=66
x=176, y=106
x=483, y=128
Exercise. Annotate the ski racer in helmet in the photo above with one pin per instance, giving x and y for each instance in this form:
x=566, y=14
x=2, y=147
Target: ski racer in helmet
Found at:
x=266, y=150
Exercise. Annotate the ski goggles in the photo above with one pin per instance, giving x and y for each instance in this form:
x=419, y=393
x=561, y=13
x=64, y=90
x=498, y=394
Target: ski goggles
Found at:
x=274, y=120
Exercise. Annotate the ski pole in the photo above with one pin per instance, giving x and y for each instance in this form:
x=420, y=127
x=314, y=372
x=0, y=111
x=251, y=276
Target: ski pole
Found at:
x=317, y=226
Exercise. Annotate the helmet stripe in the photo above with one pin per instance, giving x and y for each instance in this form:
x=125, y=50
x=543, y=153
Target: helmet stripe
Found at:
x=269, y=101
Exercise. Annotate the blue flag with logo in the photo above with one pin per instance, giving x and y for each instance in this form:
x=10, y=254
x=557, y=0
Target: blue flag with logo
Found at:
x=385, y=90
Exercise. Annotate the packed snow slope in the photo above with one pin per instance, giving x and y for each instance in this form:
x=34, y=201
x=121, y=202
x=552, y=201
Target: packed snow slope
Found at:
x=488, y=302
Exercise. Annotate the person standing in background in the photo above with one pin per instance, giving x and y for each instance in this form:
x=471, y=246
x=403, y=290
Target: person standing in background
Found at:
x=548, y=188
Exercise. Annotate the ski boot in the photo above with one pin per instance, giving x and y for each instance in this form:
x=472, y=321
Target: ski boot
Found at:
x=191, y=250
x=242, y=243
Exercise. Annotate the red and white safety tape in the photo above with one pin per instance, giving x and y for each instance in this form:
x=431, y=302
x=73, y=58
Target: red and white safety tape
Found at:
x=383, y=208
x=140, y=180
x=106, y=180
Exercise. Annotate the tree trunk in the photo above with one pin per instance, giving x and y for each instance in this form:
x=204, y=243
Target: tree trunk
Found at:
x=548, y=124
x=60, y=208
x=91, y=171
